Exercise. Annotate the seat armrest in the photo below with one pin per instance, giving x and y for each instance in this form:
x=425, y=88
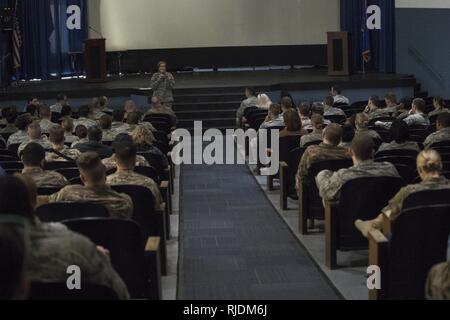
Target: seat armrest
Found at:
x=331, y=226
x=283, y=185
x=378, y=255
x=153, y=258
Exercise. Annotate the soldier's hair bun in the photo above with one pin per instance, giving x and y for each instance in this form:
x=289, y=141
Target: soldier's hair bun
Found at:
x=429, y=161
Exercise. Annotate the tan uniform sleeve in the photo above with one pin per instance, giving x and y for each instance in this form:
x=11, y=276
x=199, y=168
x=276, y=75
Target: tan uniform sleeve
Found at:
x=395, y=206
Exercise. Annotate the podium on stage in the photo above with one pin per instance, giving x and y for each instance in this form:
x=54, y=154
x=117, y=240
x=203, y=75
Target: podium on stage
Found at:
x=338, y=54
x=95, y=60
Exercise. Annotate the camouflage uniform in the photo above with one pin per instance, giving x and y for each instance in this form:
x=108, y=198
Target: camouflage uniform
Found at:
x=119, y=205
x=371, y=133
x=306, y=123
x=70, y=138
x=438, y=136
x=330, y=184
x=109, y=135
x=438, y=282
x=118, y=126
x=407, y=145
x=438, y=112
x=332, y=111
x=44, y=143
x=10, y=128
x=417, y=119
x=316, y=135
x=56, y=108
x=70, y=153
x=129, y=177
x=247, y=103
x=43, y=179
x=17, y=138
x=345, y=145
x=341, y=99
x=46, y=125
x=162, y=86
x=110, y=163
x=381, y=112
x=96, y=114
x=155, y=110
x=394, y=208
x=84, y=122
x=321, y=152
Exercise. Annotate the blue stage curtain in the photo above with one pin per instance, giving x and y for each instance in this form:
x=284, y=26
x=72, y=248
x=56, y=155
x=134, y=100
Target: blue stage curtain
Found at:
x=46, y=39
x=382, y=42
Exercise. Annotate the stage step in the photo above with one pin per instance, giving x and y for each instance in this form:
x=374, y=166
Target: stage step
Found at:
x=204, y=114
x=212, y=97
x=193, y=106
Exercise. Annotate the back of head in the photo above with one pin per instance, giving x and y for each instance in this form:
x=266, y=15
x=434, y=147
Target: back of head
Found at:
x=292, y=120
x=336, y=89
x=10, y=114
x=419, y=104
x=81, y=132
x=125, y=153
x=134, y=118
x=429, y=162
x=348, y=133
x=44, y=112
x=91, y=168
x=286, y=103
x=94, y=104
x=33, y=155
x=399, y=131
x=16, y=198
x=328, y=101
x=443, y=120
x=67, y=124
x=362, y=121
x=23, y=121
x=95, y=134
x=129, y=106
x=34, y=130
x=391, y=97
x=305, y=109
x=118, y=115
x=318, y=109
x=83, y=111
x=439, y=101
x=275, y=109
x=333, y=134
x=57, y=135
x=375, y=100
x=317, y=121
x=105, y=122
x=142, y=136
x=363, y=147
x=103, y=101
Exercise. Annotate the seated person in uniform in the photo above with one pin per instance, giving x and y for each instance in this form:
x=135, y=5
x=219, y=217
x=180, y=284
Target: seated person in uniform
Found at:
x=362, y=153
x=400, y=135
x=348, y=133
x=293, y=124
x=392, y=106
x=438, y=282
x=45, y=116
x=156, y=107
x=362, y=126
x=53, y=247
x=125, y=155
x=274, y=117
x=250, y=101
x=22, y=122
x=9, y=115
x=83, y=118
x=111, y=163
x=67, y=125
x=105, y=123
x=442, y=130
x=429, y=166
x=95, y=109
x=94, y=144
x=329, y=109
x=317, y=133
x=61, y=101
x=327, y=150
x=94, y=189
x=305, y=114
x=34, y=136
x=336, y=92
x=33, y=158
x=59, y=151
x=439, y=107
x=117, y=121
x=81, y=133
x=134, y=120
x=373, y=104
x=415, y=117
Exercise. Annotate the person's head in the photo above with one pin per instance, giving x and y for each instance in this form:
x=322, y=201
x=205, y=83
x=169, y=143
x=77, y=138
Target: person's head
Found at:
x=23, y=121
x=438, y=102
x=250, y=92
x=66, y=111
x=429, y=164
x=81, y=131
x=92, y=170
x=32, y=109
x=154, y=101
x=317, y=109
x=134, y=118
x=10, y=114
x=67, y=124
x=305, y=109
x=44, y=112
x=125, y=154
x=399, y=131
x=361, y=121
x=335, y=90
x=390, y=99
x=418, y=105
x=61, y=99
x=292, y=120
x=17, y=196
x=374, y=102
x=286, y=104
x=34, y=131
x=95, y=134
x=105, y=122
x=443, y=121
x=57, y=136
x=263, y=100
x=84, y=111
x=405, y=103
x=142, y=136
x=162, y=66
x=317, y=122
x=94, y=104
x=348, y=133
x=332, y=134
x=33, y=101
x=362, y=148
x=129, y=106
x=328, y=101
x=33, y=155
x=118, y=115
x=103, y=102
x=275, y=110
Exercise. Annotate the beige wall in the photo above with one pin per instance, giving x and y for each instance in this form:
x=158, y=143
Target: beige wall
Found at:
x=150, y=24
x=437, y=4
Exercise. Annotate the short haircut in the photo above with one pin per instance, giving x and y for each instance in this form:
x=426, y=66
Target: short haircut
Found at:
x=23, y=121
x=34, y=130
x=444, y=119
x=317, y=109
x=44, y=111
x=15, y=197
x=333, y=133
x=391, y=97
x=375, y=100
x=67, y=124
x=317, y=121
x=103, y=100
x=125, y=152
x=95, y=134
x=90, y=164
x=329, y=101
x=134, y=118
x=105, y=122
x=10, y=114
x=292, y=120
x=61, y=97
x=439, y=101
x=251, y=90
x=81, y=131
x=420, y=104
x=286, y=103
x=33, y=155
x=84, y=111
x=363, y=147
x=348, y=133
x=57, y=134
x=305, y=109
x=118, y=115
x=337, y=89
x=362, y=121
x=399, y=131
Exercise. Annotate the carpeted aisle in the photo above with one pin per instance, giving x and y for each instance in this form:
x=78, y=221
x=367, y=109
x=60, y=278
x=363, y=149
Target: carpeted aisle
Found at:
x=235, y=246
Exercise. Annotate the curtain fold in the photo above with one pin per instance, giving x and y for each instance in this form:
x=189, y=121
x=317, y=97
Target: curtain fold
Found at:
x=382, y=42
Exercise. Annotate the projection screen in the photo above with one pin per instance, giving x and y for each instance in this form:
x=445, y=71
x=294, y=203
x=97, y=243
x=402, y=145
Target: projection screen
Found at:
x=167, y=24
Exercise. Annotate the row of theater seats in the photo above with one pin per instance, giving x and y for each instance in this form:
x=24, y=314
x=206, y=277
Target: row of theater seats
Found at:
x=138, y=247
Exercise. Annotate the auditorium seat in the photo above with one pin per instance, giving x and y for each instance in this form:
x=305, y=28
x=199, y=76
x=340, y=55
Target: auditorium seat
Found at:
x=6, y=152
x=397, y=153
x=14, y=147
x=373, y=194
x=56, y=165
x=69, y=173
x=47, y=191
x=418, y=133
x=383, y=133
x=288, y=171
x=158, y=117
x=137, y=262
x=409, y=246
x=60, y=211
x=310, y=202
x=11, y=165
x=7, y=159
x=58, y=291
x=337, y=118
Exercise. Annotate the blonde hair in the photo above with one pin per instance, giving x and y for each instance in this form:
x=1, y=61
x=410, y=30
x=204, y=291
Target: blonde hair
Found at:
x=429, y=161
x=362, y=121
x=142, y=136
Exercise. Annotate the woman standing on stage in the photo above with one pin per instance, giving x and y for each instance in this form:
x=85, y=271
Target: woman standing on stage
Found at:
x=162, y=84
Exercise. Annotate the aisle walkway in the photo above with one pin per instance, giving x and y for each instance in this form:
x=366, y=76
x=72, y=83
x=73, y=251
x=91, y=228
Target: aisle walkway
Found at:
x=235, y=246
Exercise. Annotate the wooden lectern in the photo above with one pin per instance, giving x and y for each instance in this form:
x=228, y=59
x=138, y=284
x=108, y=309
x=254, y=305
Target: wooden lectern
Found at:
x=338, y=54
x=95, y=60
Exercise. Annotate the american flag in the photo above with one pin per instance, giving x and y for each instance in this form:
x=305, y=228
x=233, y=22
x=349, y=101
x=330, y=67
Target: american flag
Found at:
x=17, y=39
